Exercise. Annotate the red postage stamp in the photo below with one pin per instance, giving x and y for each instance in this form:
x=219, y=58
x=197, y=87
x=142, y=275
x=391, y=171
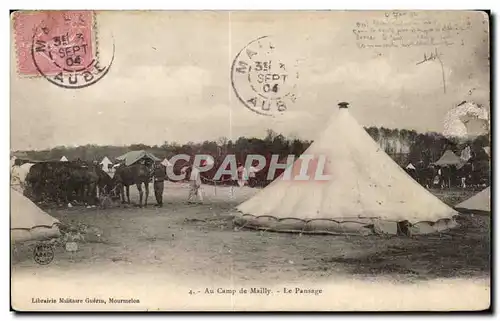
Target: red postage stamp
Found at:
x=53, y=42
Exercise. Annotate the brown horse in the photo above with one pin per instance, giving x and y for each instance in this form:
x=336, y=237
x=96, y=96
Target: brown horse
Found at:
x=137, y=174
x=99, y=181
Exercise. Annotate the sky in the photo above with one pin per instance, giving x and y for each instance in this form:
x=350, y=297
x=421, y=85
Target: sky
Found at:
x=171, y=78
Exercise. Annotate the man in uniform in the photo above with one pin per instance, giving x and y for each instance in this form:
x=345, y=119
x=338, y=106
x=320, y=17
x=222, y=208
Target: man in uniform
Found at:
x=160, y=174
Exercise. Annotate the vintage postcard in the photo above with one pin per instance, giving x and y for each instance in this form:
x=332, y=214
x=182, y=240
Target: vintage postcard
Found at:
x=250, y=161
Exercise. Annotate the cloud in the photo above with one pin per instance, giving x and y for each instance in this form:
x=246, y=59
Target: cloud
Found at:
x=177, y=87
x=150, y=82
x=384, y=77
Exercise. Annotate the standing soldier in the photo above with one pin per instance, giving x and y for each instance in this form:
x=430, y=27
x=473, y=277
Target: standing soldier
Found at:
x=160, y=174
x=195, y=189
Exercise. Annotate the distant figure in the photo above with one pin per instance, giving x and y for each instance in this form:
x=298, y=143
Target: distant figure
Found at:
x=246, y=176
x=242, y=175
x=195, y=190
x=463, y=182
x=18, y=176
x=436, y=180
x=160, y=174
x=252, y=176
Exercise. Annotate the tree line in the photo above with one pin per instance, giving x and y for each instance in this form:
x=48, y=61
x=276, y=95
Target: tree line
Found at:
x=403, y=145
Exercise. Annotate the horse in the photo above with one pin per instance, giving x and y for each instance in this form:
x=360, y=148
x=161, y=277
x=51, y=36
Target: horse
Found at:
x=137, y=174
x=99, y=183
x=61, y=182
x=425, y=175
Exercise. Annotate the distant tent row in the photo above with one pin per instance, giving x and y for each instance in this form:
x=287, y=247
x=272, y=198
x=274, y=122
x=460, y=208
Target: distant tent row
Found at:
x=128, y=158
x=449, y=158
x=25, y=158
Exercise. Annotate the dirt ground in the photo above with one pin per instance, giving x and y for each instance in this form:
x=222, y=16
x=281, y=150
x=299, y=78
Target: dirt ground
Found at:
x=201, y=241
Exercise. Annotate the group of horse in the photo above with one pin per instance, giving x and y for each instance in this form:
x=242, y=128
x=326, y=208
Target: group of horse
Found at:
x=433, y=176
x=80, y=182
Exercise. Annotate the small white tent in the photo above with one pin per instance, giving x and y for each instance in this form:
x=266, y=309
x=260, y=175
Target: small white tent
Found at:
x=63, y=159
x=487, y=150
x=368, y=193
x=166, y=163
x=105, y=163
x=410, y=166
x=28, y=221
x=13, y=161
x=479, y=203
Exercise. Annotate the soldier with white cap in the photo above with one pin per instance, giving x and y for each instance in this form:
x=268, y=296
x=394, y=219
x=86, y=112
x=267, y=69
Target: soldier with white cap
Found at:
x=195, y=189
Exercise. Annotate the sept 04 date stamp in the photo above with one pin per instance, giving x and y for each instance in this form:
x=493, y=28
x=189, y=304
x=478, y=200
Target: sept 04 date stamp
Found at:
x=59, y=46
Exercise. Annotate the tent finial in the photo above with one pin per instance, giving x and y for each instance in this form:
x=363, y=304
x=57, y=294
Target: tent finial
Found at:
x=343, y=105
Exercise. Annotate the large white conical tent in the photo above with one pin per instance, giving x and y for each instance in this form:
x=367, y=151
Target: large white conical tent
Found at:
x=367, y=192
x=479, y=203
x=28, y=221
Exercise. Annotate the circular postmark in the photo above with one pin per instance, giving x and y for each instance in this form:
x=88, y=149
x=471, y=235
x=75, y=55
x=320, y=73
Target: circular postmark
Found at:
x=63, y=51
x=43, y=254
x=263, y=78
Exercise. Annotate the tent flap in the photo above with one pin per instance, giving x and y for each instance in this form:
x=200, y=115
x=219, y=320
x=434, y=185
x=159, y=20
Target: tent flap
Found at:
x=338, y=227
